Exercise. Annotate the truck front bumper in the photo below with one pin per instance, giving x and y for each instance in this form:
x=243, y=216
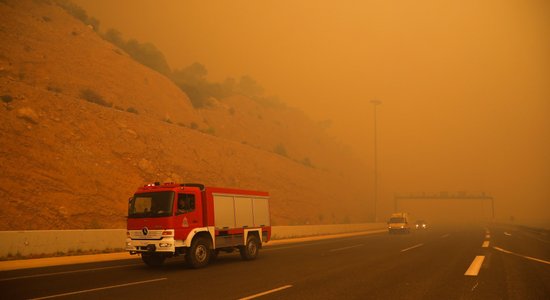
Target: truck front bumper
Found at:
x=166, y=244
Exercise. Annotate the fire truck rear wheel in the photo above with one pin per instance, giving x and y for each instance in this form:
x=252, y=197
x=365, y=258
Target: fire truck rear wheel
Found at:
x=251, y=249
x=198, y=255
x=153, y=259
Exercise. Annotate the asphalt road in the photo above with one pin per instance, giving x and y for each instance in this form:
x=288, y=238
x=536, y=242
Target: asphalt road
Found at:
x=439, y=263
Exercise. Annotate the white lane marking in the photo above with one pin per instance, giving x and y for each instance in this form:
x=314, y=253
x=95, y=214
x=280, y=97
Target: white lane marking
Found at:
x=474, y=287
x=445, y=235
x=485, y=244
x=66, y=272
x=473, y=270
x=266, y=292
x=487, y=236
x=415, y=246
x=99, y=289
x=524, y=256
x=345, y=248
x=508, y=234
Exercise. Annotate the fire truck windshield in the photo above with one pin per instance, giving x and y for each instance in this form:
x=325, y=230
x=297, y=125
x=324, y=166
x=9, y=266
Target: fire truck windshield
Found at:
x=151, y=205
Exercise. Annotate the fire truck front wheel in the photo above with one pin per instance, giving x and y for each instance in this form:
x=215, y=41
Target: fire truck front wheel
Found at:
x=198, y=255
x=251, y=249
x=153, y=259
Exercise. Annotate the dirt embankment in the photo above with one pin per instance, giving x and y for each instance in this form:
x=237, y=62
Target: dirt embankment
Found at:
x=82, y=125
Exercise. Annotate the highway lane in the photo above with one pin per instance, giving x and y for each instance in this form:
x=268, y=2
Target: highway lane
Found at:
x=423, y=265
x=521, y=261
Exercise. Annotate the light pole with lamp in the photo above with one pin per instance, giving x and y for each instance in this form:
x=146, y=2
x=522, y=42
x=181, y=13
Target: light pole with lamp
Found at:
x=375, y=104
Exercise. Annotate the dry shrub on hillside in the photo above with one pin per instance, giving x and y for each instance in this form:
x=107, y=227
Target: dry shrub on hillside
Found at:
x=79, y=13
x=91, y=96
x=281, y=150
x=132, y=110
x=6, y=98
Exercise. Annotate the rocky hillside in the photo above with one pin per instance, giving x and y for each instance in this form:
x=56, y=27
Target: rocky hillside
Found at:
x=82, y=125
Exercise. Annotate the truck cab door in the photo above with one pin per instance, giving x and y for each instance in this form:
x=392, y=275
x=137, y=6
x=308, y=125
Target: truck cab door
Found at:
x=188, y=213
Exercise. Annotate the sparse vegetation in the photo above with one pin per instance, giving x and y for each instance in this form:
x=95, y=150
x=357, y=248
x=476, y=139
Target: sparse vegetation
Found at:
x=94, y=224
x=194, y=125
x=281, y=150
x=132, y=110
x=91, y=96
x=191, y=79
x=145, y=53
x=54, y=89
x=6, y=98
x=307, y=162
x=321, y=218
x=210, y=130
x=79, y=13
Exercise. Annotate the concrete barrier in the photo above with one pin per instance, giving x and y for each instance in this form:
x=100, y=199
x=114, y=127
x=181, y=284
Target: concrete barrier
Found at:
x=50, y=242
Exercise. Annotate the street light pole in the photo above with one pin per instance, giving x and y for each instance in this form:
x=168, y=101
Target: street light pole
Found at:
x=375, y=104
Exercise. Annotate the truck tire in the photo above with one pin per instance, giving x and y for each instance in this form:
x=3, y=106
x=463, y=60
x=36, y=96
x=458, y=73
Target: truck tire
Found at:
x=251, y=249
x=153, y=259
x=198, y=255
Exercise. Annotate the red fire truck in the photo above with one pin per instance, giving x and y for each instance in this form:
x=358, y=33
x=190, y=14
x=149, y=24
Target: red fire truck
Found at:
x=166, y=220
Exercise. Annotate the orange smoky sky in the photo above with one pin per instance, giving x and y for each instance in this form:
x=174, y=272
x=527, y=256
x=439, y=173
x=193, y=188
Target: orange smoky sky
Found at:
x=464, y=84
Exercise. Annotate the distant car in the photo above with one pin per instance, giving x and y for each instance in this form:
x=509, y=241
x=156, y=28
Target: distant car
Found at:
x=421, y=224
x=399, y=222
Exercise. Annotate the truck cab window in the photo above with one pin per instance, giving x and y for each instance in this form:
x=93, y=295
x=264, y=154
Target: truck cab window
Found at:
x=151, y=205
x=186, y=203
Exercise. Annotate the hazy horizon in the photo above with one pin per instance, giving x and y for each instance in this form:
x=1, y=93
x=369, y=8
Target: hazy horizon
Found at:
x=464, y=85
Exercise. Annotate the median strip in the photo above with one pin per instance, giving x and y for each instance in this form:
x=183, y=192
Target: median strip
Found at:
x=473, y=270
x=266, y=292
x=99, y=289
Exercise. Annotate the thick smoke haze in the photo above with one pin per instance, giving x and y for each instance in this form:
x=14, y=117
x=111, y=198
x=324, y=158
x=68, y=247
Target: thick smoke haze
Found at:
x=464, y=85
